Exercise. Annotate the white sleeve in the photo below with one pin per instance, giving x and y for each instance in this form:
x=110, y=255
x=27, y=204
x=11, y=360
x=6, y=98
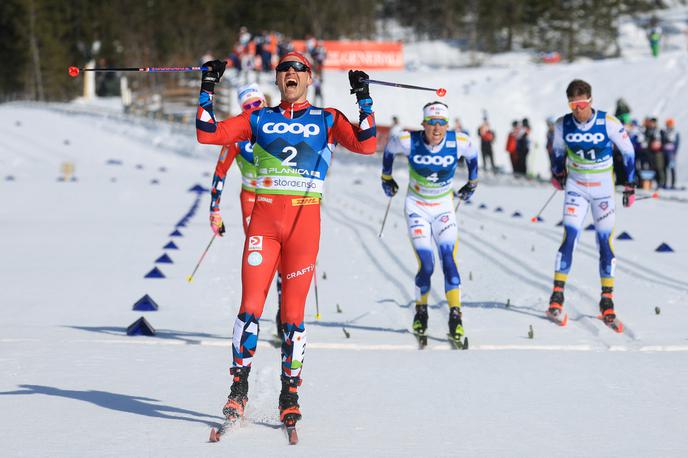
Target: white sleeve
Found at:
x=399, y=143
x=465, y=146
x=618, y=135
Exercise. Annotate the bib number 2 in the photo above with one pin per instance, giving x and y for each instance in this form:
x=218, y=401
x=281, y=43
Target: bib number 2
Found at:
x=292, y=154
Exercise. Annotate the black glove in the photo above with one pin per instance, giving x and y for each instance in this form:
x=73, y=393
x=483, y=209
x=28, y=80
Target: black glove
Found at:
x=213, y=75
x=467, y=190
x=628, y=195
x=389, y=186
x=357, y=87
x=559, y=180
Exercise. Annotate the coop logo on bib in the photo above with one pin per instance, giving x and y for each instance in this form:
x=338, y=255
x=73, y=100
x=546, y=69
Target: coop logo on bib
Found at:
x=586, y=137
x=444, y=161
x=282, y=128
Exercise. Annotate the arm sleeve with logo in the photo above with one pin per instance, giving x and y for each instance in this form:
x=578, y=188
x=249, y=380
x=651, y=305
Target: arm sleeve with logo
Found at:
x=397, y=144
x=618, y=135
x=358, y=139
x=224, y=162
x=466, y=148
x=558, y=148
x=210, y=131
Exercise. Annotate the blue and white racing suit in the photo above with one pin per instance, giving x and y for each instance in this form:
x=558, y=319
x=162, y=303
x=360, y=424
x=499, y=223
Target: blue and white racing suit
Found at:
x=429, y=203
x=585, y=150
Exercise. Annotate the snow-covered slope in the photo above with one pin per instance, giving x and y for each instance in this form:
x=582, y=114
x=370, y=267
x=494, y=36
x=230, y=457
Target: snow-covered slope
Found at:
x=73, y=256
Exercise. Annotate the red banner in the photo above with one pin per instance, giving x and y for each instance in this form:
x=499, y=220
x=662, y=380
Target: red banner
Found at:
x=363, y=55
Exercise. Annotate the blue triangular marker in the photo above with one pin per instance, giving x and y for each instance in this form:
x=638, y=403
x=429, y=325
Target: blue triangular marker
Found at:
x=517, y=214
x=140, y=327
x=482, y=206
x=155, y=273
x=468, y=202
x=164, y=259
x=624, y=236
x=590, y=227
x=154, y=181
x=499, y=210
x=176, y=233
x=182, y=223
x=560, y=223
x=145, y=304
x=664, y=248
x=9, y=178
x=113, y=162
x=170, y=246
x=198, y=188
x=539, y=219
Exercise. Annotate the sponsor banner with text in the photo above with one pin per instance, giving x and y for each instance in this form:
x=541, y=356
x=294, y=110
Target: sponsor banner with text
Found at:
x=361, y=55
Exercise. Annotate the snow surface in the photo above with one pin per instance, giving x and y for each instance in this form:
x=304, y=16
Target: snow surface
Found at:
x=73, y=256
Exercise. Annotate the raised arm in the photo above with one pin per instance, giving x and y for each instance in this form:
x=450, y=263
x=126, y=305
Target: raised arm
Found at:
x=208, y=129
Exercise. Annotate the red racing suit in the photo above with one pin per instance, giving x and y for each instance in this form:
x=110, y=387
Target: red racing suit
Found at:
x=292, y=145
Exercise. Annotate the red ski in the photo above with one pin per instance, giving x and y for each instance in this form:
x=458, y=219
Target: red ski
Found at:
x=558, y=319
x=615, y=325
x=290, y=429
x=228, y=425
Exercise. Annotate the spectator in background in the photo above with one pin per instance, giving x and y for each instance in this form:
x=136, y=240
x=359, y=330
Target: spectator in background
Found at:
x=655, y=38
x=523, y=147
x=284, y=46
x=262, y=42
x=318, y=99
x=319, y=56
x=511, y=140
x=670, y=141
x=549, y=143
x=458, y=127
x=487, y=136
x=653, y=142
x=623, y=111
x=395, y=129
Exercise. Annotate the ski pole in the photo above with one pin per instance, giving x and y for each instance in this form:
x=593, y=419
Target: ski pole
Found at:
x=212, y=239
x=441, y=92
x=389, y=204
x=654, y=195
x=74, y=71
x=535, y=218
x=315, y=283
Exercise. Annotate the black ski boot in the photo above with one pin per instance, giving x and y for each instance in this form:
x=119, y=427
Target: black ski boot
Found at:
x=607, y=305
x=556, y=301
x=289, y=401
x=420, y=321
x=455, y=324
x=238, y=393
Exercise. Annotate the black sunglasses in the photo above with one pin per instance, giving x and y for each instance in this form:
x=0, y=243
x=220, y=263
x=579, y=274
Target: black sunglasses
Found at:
x=295, y=64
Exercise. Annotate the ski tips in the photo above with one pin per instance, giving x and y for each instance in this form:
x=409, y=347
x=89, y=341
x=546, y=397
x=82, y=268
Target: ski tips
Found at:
x=214, y=436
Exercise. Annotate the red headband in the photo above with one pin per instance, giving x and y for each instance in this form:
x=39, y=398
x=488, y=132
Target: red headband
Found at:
x=296, y=56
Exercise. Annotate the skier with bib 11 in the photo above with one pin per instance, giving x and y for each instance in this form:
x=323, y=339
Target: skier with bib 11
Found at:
x=293, y=144
x=582, y=167
x=433, y=154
